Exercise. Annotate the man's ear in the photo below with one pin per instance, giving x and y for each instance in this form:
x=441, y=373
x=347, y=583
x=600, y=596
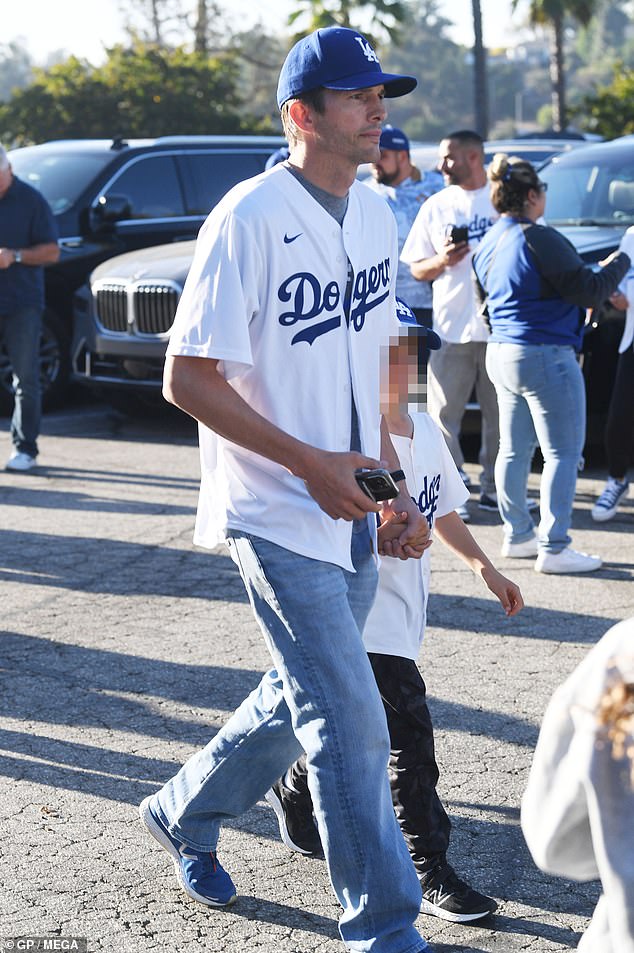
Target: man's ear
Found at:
x=301, y=115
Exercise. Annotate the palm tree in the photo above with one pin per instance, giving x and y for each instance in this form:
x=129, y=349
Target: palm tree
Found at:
x=552, y=15
x=480, y=86
x=387, y=16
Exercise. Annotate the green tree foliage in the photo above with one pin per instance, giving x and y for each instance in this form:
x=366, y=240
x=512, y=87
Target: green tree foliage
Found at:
x=141, y=91
x=384, y=17
x=443, y=98
x=611, y=111
x=260, y=55
x=552, y=14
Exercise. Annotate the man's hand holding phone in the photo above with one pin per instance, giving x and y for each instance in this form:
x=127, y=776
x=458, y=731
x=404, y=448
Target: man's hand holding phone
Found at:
x=331, y=479
x=456, y=245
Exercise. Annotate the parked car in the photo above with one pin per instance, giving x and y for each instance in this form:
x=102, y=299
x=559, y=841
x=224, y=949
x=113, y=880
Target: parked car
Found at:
x=124, y=315
x=425, y=154
x=114, y=196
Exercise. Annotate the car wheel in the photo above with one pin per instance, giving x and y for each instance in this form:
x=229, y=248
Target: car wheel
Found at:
x=54, y=365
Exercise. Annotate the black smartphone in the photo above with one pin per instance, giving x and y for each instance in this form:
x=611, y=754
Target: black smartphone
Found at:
x=459, y=233
x=377, y=484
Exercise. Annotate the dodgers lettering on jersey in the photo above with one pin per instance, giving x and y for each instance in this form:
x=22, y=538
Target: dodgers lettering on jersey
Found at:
x=478, y=226
x=427, y=501
x=310, y=300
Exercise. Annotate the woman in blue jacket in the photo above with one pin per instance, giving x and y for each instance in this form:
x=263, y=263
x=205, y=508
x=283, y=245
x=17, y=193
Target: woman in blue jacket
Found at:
x=534, y=285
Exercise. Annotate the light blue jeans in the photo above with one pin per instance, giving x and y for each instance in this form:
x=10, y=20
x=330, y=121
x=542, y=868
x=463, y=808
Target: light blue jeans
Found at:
x=321, y=698
x=20, y=332
x=541, y=399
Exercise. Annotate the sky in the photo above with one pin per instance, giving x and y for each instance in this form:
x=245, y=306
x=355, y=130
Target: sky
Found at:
x=86, y=27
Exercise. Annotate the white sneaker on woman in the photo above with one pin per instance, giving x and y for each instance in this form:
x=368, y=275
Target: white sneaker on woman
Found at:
x=523, y=550
x=568, y=560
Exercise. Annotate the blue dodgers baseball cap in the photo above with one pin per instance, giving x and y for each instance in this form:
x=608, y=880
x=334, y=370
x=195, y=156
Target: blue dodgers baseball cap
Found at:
x=406, y=316
x=337, y=58
x=393, y=138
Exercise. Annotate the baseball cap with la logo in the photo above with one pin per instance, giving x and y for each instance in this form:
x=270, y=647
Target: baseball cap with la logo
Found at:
x=336, y=58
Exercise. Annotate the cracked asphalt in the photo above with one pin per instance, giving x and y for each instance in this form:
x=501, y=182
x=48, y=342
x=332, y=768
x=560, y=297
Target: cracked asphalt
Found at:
x=124, y=648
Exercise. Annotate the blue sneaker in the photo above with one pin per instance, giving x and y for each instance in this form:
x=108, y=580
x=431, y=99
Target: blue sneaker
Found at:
x=198, y=872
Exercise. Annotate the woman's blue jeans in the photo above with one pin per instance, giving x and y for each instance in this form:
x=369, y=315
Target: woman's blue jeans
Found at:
x=541, y=399
x=20, y=332
x=321, y=697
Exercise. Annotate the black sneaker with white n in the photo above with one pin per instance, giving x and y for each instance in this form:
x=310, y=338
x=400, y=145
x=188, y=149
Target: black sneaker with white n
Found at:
x=446, y=896
x=294, y=809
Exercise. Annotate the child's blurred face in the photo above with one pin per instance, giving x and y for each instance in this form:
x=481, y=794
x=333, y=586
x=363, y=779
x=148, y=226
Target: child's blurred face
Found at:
x=407, y=359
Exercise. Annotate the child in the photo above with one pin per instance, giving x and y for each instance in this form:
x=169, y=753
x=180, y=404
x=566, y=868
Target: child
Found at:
x=392, y=637
x=578, y=808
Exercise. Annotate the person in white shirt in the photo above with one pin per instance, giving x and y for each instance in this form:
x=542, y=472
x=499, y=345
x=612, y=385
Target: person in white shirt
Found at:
x=276, y=350
x=436, y=253
x=578, y=808
x=393, y=636
x=619, y=428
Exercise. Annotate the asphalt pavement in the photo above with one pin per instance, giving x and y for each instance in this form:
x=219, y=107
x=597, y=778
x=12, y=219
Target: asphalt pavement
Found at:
x=124, y=648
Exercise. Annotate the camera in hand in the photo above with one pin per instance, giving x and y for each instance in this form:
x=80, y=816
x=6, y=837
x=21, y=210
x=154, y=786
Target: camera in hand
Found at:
x=459, y=233
x=377, y=484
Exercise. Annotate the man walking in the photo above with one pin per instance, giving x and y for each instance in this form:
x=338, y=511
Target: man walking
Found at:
x=405, y=189
x=28, y=240
x=275, y=350
x=437, y=252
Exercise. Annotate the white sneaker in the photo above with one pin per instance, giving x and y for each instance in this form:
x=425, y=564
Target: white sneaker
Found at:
x=523, y=550
x=606, y=506
x=568, y=560
x=20, y=461
x=463, y=513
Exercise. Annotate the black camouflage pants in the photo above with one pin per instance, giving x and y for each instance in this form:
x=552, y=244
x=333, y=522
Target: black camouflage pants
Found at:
x=412, y=769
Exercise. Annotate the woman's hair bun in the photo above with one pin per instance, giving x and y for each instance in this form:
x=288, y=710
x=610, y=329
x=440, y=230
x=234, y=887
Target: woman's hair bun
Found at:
x=498, y=166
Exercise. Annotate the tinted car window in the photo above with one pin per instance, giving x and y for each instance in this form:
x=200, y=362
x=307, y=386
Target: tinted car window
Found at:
x=61, y=177
x=151, y=187
x=207, y=177
x=590, y=192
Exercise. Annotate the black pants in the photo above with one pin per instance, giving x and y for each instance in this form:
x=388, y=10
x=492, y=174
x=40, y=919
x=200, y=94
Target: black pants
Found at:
x=412, y=769
x=619, y=431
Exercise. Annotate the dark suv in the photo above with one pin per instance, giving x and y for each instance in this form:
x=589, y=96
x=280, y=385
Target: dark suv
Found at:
x=113, y=196
x=124, y=316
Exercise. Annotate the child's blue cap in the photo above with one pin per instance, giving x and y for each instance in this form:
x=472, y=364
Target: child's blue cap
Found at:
x=407, y=317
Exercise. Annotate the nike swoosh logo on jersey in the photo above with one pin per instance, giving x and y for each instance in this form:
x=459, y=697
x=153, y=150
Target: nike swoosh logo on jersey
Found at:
x=292, y=238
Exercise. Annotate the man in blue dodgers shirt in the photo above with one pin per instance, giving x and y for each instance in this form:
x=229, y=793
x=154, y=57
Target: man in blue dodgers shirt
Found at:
x=405, y=188
x=275, y=351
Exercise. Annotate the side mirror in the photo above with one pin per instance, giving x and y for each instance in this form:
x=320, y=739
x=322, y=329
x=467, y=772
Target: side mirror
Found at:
x=109, y=210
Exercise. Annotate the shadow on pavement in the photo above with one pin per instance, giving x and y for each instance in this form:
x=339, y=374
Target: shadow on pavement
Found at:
x=73, y=684
x=473, y=614
x=101, y=565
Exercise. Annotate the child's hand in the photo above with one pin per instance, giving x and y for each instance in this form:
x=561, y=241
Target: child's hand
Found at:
x=507, y=592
